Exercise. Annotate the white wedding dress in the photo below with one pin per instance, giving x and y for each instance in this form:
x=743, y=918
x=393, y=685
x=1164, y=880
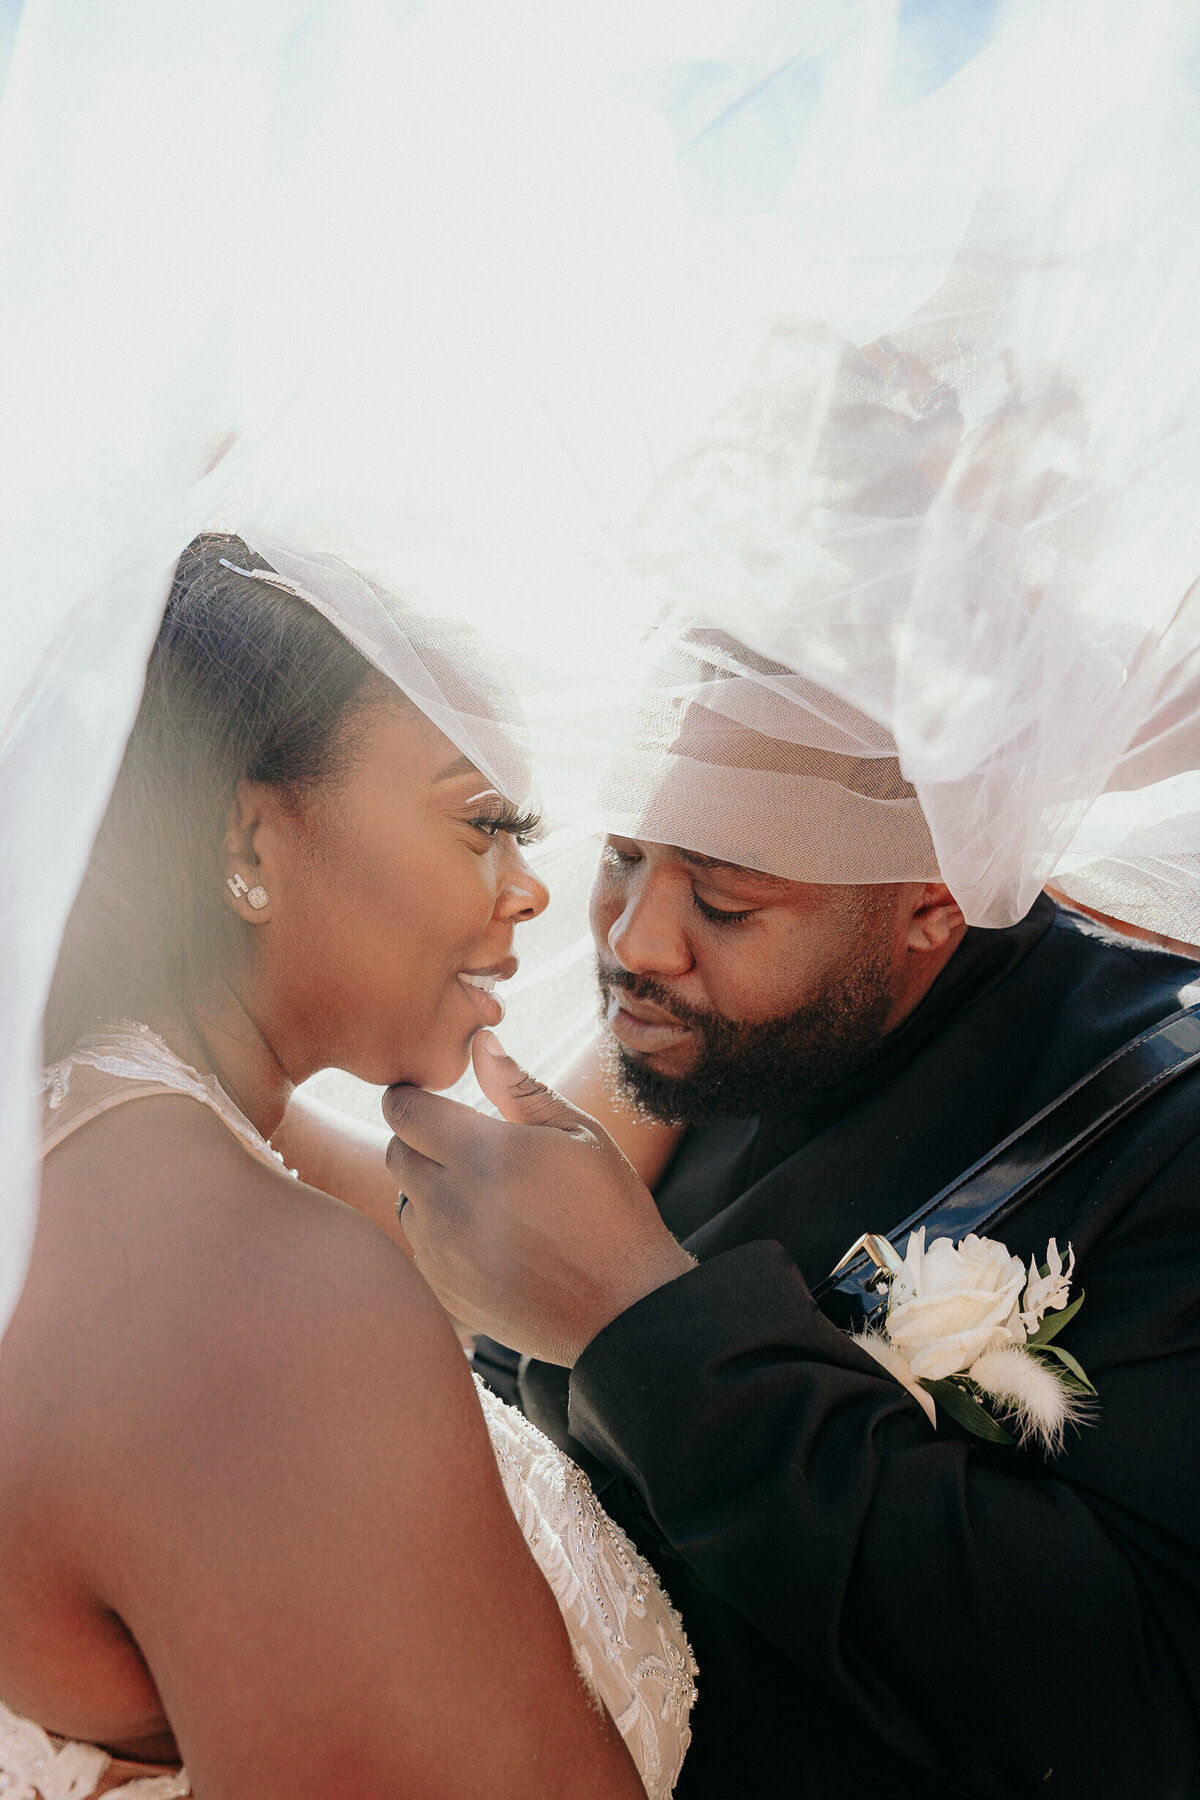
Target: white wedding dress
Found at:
x=627, y=1639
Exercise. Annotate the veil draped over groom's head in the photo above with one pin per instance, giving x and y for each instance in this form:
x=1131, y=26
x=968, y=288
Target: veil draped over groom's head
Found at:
x=901, y=640
x=738, y=757
x=799, y=500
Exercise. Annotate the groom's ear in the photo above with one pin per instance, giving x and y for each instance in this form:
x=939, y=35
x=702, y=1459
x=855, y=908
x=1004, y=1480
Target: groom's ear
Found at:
x=936, y=921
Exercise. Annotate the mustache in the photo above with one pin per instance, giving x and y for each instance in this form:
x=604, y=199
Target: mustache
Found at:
x=644, y=987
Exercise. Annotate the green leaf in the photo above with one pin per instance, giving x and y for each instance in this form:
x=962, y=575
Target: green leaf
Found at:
x=1064, y=1356
x=1052, y=1323
x=965, y=1409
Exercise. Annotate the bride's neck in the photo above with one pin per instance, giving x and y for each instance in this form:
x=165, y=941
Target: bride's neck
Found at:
x=219, y=1037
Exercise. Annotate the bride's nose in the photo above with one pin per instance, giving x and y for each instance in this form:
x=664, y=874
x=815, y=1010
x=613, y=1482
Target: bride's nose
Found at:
x=523, y=894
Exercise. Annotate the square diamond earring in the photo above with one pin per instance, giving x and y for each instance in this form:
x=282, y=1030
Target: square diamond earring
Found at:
x=256, y=895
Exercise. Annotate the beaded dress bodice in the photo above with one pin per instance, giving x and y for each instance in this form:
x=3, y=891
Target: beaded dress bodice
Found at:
x=628, y=1641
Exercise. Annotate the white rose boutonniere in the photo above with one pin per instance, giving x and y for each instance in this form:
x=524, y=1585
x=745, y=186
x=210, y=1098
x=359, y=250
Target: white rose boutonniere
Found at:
x=969, y=1328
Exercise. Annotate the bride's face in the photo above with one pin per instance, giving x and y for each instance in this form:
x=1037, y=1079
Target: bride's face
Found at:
x=388, y=892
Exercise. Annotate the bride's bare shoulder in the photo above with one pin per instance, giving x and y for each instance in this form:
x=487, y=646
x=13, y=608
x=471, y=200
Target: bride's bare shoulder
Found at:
x=246, y=1487
x=170, y=1256
x=201, y=1336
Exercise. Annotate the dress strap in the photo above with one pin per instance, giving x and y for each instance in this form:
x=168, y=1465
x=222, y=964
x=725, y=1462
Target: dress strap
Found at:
x=127, y=1061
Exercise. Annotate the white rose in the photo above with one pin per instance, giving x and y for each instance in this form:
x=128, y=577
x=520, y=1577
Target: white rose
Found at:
x=950, y=1303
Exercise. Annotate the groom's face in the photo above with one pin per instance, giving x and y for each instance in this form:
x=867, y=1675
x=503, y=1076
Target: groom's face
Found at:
x=728, y=992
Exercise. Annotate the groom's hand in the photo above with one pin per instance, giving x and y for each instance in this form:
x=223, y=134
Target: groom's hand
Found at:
x=536, y=1231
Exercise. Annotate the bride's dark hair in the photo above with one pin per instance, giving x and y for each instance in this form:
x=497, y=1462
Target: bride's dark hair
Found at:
x=244, y=682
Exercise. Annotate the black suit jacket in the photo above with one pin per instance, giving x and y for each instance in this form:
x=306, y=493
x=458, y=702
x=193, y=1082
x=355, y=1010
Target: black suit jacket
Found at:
x=875, y=1605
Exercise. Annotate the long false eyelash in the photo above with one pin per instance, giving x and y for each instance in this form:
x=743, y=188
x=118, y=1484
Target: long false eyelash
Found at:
x=524, y=826
x=715, y=915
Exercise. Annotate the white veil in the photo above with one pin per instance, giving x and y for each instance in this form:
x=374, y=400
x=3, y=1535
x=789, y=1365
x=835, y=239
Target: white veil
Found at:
x=932, y=594
x=453, y=287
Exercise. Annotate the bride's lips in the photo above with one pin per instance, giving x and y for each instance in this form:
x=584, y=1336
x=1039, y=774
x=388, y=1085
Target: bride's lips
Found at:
x=642, y=1027
x=477, y=985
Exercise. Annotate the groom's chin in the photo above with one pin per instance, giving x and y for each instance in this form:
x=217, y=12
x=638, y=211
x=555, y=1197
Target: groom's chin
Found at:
x=642, y=1082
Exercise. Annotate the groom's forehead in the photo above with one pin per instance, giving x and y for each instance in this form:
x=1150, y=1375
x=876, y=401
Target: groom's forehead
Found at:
x=711, y=771
x=719, y=865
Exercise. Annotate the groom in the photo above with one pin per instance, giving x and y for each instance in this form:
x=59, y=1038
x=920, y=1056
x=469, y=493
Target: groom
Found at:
x=875, y=1605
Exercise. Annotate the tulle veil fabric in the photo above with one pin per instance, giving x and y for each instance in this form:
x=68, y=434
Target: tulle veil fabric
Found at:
x=938, y=543
x=850, y=341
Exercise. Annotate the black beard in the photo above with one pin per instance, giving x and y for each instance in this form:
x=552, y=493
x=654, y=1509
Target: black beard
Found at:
x=743, y=1069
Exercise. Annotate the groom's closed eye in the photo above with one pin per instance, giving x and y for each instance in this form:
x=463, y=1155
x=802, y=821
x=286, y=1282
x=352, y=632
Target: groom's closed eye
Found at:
x=719, y=915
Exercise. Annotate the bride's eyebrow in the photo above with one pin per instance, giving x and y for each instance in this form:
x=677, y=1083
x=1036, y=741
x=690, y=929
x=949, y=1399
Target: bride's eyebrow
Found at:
x=462, y=765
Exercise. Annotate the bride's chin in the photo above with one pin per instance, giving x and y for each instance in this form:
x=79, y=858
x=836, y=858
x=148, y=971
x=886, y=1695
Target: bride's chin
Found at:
x=437, y=1068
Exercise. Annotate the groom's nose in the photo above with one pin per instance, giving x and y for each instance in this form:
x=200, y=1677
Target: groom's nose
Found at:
x=645, y=932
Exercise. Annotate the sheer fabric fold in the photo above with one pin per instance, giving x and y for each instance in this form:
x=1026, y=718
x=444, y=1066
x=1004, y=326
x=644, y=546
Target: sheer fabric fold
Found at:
x=880, y=334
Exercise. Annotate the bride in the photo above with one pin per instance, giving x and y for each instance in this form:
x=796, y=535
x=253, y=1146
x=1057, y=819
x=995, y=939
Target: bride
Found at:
x=254, y=1517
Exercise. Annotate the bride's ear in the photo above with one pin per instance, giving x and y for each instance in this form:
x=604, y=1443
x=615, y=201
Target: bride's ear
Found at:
x=248, y=896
